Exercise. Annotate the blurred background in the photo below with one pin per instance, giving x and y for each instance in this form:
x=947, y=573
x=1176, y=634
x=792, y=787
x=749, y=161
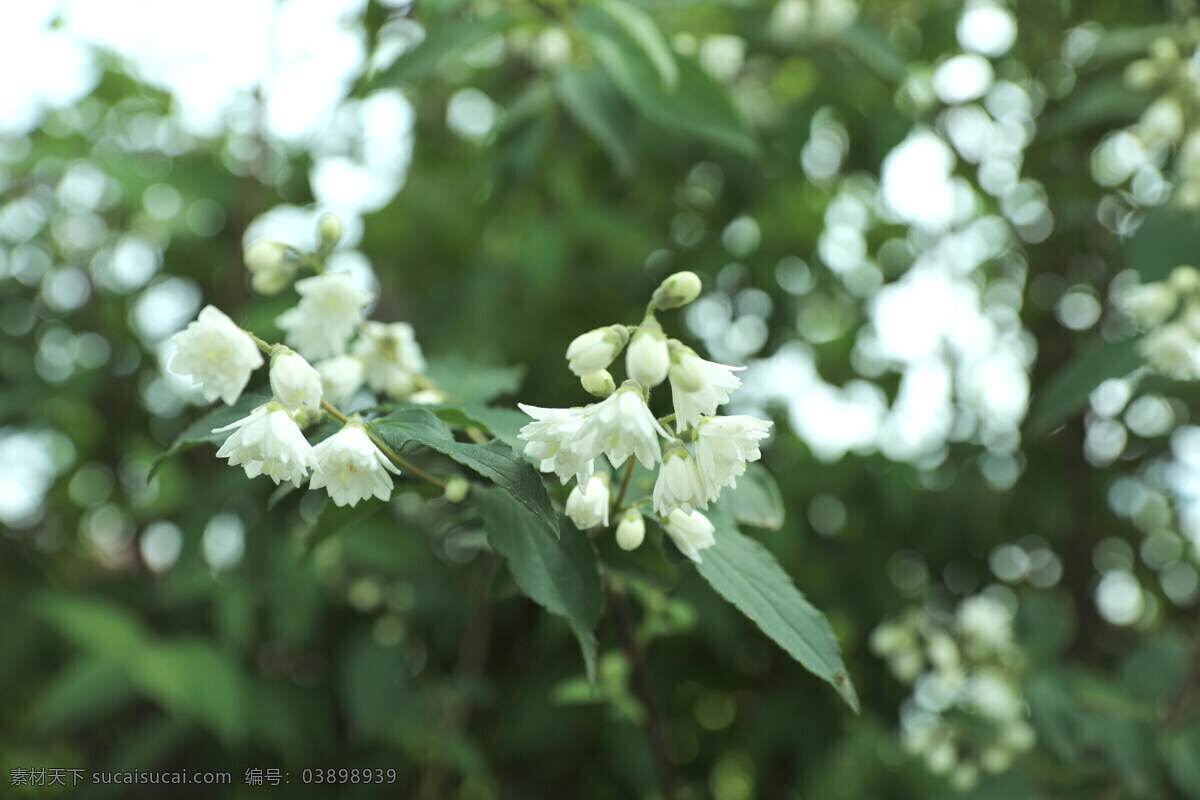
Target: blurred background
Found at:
x=916, y=225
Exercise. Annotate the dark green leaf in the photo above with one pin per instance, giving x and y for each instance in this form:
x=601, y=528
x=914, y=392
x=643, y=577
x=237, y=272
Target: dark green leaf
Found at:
x=559, y=574
x=467, y=382
x=593, y=102
x=1067, y=391
x=1167, y=238
x=1183, y=761
x=442, y=43
x=748, y=576
x=495, y=460
x=201, y=431
x=644, y=32
x=503, y=423
x=755, y=500
x=87, y=689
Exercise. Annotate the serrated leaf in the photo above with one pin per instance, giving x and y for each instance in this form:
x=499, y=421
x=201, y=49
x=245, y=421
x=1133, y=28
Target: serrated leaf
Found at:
x=590, y=97
x=561, y=574
x=756, y=500
x=1067, y=391
x=495, y=460
x=743, y=572
x=643, y=30
x=697, y=106
x=466, y=382
x=503, y=423
x=201, y=431
x=443, y=42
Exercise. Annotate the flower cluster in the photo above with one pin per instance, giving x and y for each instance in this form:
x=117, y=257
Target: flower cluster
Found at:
x=703, y=454
x=1172, y=346
x=966, y=715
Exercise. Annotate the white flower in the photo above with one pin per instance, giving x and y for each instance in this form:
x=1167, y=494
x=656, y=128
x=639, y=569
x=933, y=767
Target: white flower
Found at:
x=352, y=468
x=724, y=445
x=588, y=509
x=679, y=483
x=1150, y=304
x=595, y=350
x=623, y=425
x=993, y=695
x=647, y=359
x=330, y=311
x=391, y=356
x=691, y=533
x=717, y=383
x=562, y=440
x=295, y=383
x=268, y=442
x=340, y=377
x=1174, y=351
x=217, y=354
x=631, y=530
x=985, y=624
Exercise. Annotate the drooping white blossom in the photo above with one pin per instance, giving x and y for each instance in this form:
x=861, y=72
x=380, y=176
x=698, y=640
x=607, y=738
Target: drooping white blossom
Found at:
x=341, y=377
x=268, y=442
x=623, y=425
x=631, y=530
x=595, y=350
x=691, y=533
x=679, y=484
x=723, y=447
x=330, y=310
x=217, y=354
x=563, y=440
x=392, y=357
x=351, y=468
x=717, y=383
x=294, y=381
x=648, y=359
x=588, y=508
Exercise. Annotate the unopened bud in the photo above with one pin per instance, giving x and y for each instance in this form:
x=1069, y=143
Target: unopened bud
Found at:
x=1164, y=51
x=1185, y=279
x=677, y=290
x=1141, y=75
x=264, y=256
x=631, y=530
x=270, y=281
x=599, y=383
x=456, y=489
x=329, y=226
x=648, y=359
x=596, y=349
x=687, y=370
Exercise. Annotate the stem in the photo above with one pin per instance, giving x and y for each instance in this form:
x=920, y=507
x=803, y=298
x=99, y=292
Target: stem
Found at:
x=655, y=726
x=624, y=487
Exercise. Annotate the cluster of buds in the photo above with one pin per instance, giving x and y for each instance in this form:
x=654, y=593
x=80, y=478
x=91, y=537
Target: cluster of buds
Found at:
x=329, y=324
x=703, y=454
x=1170, y=311
x=967, y=713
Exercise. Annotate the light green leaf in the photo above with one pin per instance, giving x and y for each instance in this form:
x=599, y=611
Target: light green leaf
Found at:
x=645, y=33
x=592, y=100
x=86, y=690
x=559, y=574
x=1067, y=391
x=755, y=500
x=748, y=576
x=467, y=382
x=201, y=431
x=495, y=460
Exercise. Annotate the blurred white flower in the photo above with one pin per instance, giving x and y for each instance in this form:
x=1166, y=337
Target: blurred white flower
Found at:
x=993, y=695
x=985, y=624
x=268, y=442
x=679, y=483
x=295, y=383
x=1150, y=304
x=691, y=533
x=1174, y=351
x=589, y=508
x=724, y=445
x=330, y=310
x=351, y=468
x=717, y=382
x=341, y=376
x=217, y=354
x=391, y=356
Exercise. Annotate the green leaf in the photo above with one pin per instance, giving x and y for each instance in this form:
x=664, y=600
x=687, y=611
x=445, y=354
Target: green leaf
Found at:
x=86, y=690
x=442, y=43
x=590, y=97
x=868, y=44
x=201, y=431
x=1067, y=391
x=1183, y=761
x=697, y=106
x=755, y=500
x=192, y=679
x=503, y=423
x=467, y=382
x=748, y=576
x=495, y=460
x=1167, y=238
x=645, y=33
x=559, y=574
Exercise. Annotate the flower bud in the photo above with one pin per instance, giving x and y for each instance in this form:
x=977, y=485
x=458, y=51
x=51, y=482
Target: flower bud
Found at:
x=293, y=380
x=269, y=281
x=456, y=489
x=1185, y=279
x=264, y=255
x=595, y=350
x=687, y=370
x=599, y=383
x=1141, y=75
x=329, y=227
x=648, y=359
x=1151, y=304
x=677, y=290
x=631, y=530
